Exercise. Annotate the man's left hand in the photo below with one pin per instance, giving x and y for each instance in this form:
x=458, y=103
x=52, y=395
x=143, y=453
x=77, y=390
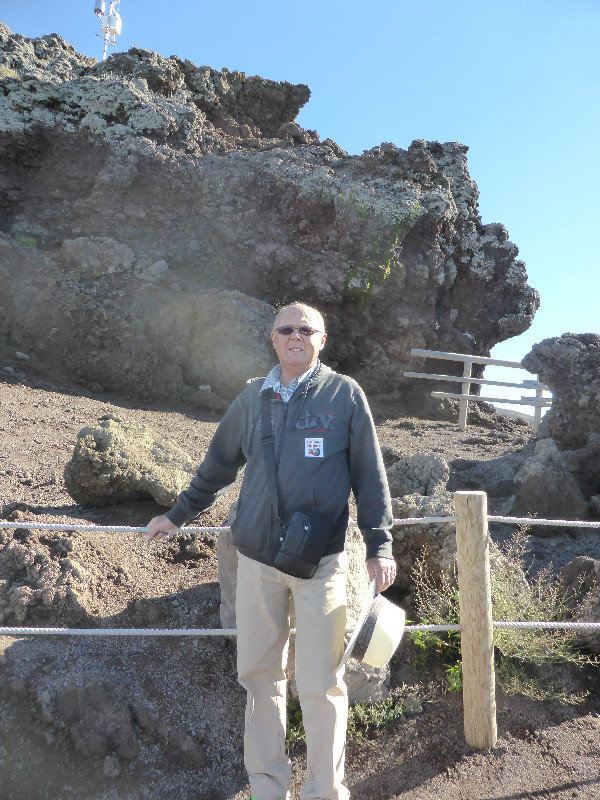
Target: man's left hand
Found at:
x=383, y=570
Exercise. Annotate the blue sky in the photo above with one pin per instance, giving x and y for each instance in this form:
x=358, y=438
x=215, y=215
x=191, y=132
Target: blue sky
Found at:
x=518, y=81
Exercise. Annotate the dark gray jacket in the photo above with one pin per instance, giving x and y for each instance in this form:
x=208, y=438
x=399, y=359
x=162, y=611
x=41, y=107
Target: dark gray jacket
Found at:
x=326, y=446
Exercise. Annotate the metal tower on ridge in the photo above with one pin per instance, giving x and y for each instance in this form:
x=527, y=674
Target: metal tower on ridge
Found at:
x=110, y=22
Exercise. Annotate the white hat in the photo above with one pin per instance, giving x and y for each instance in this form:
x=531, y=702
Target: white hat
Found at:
x=377, y=633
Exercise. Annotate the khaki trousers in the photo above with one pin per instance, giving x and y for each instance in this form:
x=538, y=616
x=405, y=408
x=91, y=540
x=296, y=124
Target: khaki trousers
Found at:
x=263, y=600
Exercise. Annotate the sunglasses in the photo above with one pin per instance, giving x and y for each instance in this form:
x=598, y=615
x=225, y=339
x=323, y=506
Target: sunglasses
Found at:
x=303, y=330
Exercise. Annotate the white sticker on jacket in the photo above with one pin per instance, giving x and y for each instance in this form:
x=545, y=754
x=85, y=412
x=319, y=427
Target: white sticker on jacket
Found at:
x=313, y=448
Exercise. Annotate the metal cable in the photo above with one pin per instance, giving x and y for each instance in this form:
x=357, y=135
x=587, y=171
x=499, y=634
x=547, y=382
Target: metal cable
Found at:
x=16, y=631
x=67, y=526
x=561, y=523
x=53, y=526
x=21, y=631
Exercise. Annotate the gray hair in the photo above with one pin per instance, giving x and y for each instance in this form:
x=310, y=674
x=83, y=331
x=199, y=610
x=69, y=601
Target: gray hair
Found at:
x=306, y=309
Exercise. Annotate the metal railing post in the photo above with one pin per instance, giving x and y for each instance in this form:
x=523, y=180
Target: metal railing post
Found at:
x=477, y=632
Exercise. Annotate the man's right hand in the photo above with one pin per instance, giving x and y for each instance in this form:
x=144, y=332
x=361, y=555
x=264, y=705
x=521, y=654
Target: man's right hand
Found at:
x=160, y=528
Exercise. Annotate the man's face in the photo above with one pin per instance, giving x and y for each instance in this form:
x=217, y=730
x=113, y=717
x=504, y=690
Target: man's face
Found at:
x=297, y=353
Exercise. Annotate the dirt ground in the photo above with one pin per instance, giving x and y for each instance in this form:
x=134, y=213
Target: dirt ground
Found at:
x=177, y=699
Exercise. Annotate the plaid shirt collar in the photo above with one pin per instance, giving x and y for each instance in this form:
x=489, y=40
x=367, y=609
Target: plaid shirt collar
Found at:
x=272, y=381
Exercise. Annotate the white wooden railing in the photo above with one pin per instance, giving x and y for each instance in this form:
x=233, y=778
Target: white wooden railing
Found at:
x=538, y=402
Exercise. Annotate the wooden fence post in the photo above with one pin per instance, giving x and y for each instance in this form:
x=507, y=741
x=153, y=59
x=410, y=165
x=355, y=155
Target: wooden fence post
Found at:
x=465, y=389
x=477, y=633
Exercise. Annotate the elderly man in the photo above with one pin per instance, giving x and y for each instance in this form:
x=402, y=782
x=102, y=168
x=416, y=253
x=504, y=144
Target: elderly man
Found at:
x=324, y=445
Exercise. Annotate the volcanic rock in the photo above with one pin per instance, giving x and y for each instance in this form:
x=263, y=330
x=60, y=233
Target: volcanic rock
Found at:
x=546, y=488
x=580, y=580
x=570, y=366
x=423, y=473
x=40, y=580
x=434, y=542
x=118, y=461
x=143, y=160
x=97, y=722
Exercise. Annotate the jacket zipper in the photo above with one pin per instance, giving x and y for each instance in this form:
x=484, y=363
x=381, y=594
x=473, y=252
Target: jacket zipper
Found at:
x=286, y=406
x=275, y=535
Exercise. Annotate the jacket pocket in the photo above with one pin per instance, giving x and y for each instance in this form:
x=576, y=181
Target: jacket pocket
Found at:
x=252, y=527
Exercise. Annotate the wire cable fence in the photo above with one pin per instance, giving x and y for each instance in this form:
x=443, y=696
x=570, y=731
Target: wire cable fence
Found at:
x=476, y=625
x=449, y=519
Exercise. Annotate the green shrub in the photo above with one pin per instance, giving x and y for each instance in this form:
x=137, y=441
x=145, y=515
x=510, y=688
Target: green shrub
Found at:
x=28, y=241
x=515, y=597
x=363, y=717
x=539, y=599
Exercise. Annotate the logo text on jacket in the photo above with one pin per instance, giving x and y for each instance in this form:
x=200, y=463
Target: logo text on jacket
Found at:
x=317, y=421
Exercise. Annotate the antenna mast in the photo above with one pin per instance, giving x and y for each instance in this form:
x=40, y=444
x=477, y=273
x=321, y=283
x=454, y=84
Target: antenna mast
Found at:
x=110, y=23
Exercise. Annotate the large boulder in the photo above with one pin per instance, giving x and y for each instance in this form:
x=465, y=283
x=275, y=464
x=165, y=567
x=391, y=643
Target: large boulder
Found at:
x=418, y=489
x=546, y=488
x=495, y=477
x=205, y=180
x=570, y=366
x=117, y=460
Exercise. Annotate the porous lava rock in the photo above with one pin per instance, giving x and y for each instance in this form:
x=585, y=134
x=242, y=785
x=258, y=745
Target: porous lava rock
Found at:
x=208, y=173
x=97, y=723
x=584, y=464
x=423, y=473
x=495, y=477
x=116, y=461
x=40, y=579
x=433, y=543
x=570, y=366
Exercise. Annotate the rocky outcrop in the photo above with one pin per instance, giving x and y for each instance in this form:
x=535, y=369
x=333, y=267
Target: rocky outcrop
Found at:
x=118, y=461
x=570, y=366
x=142, y=191
x=131, y=331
